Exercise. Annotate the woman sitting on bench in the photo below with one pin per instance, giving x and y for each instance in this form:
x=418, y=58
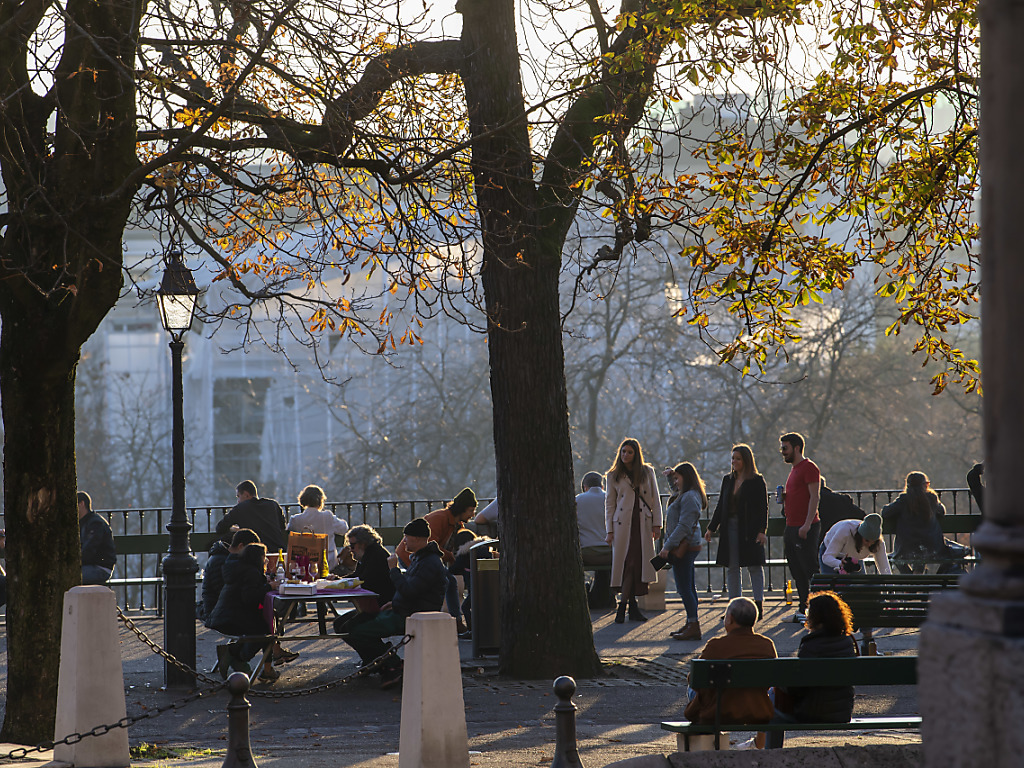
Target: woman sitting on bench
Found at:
x=830, y=635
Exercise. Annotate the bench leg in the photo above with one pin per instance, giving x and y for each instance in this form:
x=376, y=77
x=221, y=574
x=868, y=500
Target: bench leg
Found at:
x=700, y=742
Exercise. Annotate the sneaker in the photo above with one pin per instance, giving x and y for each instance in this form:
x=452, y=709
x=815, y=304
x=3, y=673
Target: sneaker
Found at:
x=800, y=617
x=283, y=655
x=748, y=744
x=390, y=678
x=269, y=675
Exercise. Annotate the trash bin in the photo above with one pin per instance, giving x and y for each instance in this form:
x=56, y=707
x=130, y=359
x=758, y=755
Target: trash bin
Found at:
x=485, y=597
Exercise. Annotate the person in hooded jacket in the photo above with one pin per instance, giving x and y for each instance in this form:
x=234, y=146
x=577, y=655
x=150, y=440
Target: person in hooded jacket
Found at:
x=915, y=515
x=420, y=588
x=830, y=635
x=213, y=578
x=239, y=610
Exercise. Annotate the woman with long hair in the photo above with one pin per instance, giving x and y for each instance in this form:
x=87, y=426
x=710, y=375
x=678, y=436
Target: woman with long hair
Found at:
x=914, y=515
x=741, y=516
x=633, y=518
x=829, y=635
x=683, y=541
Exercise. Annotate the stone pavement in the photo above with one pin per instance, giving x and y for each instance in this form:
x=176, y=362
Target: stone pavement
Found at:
x=510, y=722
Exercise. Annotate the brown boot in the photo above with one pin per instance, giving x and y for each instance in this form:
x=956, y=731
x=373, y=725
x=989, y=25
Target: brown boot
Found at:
x=690, y=632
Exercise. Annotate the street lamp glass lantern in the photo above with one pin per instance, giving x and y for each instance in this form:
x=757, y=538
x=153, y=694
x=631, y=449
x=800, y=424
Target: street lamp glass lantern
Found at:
x=177, y=296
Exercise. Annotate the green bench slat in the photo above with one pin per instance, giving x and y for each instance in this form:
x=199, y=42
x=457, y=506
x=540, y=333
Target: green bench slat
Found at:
x=856, y=724
x=790, y=672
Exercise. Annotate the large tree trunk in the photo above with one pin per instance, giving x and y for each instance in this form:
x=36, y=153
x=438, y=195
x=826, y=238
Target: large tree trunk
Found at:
x=546, y=628
x=65, y=159
x=37, y=382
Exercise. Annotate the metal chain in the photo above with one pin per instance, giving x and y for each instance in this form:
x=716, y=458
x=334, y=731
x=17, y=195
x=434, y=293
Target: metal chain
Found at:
x=361, y=672
x=364, y=670
x=165, y=655
x=100, y=730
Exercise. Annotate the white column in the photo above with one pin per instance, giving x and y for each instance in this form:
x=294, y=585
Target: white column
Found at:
x=433, y=732
x=90, y=688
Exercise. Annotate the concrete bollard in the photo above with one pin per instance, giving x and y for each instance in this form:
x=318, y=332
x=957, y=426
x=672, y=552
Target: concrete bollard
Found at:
x=239, y=753
x=433, y=732
x=90, y=685
x=566, y=753
x=654, y=600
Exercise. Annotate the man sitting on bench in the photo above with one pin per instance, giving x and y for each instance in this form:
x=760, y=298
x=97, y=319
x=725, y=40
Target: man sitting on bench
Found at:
x=420, y=588
x=738, y=705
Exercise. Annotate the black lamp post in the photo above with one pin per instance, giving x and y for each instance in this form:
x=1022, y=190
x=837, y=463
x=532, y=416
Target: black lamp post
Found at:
x=177, y=300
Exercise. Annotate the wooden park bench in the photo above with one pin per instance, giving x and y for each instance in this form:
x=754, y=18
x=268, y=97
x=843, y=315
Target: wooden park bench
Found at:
x=878, y=600
x=791, y=673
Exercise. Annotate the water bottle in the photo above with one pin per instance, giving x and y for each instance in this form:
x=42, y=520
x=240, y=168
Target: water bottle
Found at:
x=280, y=570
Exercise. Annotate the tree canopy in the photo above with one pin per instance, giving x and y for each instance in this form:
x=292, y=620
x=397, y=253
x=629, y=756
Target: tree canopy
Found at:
x=352, y=169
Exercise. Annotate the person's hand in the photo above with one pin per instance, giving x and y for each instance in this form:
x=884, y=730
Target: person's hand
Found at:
x=707, y=535
x=610, y=538
x=235, y=528
x=761, y=538
x=656, y=530
x=393, y=561
x=274, y=583
x=803, y=530
x=386, y=607
x=663, y=554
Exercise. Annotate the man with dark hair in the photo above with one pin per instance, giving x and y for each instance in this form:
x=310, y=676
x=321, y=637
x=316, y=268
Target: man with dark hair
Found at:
x=803, y=526
x=593, y=547
x=739, y=705
x=98, y=552
x=264, y=516
x=420, y=588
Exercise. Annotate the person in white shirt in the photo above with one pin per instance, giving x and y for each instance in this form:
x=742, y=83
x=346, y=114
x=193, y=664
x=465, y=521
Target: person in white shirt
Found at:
x=596, y=551
x=315, y=519
x=857, y=539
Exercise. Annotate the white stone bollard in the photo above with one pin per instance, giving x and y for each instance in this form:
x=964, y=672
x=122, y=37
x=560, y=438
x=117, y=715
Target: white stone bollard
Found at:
x=90, y=688
x=654, y=600
x=433, y=732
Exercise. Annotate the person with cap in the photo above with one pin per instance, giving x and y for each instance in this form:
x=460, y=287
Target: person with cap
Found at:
x=846, y=546
x=444, y=523
x=419, y=588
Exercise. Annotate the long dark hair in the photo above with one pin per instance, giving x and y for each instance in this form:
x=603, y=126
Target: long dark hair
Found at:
x=921, y=500
x=692, y=481
x=858, y=542
x=748, y=458
x=618, y=469
x=830, y=612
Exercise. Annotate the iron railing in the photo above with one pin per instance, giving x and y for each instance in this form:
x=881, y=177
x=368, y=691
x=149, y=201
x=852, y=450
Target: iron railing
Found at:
x=138, y=584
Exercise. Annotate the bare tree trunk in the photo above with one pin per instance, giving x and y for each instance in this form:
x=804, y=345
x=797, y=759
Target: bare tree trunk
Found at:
x=546, y=627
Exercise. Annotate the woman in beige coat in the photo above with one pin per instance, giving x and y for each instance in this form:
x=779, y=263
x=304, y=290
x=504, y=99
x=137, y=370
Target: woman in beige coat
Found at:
x=633, y=518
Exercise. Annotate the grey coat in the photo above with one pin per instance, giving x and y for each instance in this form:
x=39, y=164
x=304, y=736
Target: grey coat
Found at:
x=682, y=520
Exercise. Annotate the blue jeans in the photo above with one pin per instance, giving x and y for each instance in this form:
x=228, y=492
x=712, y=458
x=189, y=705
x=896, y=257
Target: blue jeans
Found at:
x=822, y=568
x=685, y=574
x=452, y=598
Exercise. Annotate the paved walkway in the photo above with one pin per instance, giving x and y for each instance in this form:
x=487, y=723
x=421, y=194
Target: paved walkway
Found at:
x=510, y=722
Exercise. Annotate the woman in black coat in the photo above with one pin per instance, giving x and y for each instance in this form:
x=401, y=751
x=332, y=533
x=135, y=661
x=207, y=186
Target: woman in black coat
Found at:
x=372, y=568
x=742, y=518
x=830, y=635
x=915, y=516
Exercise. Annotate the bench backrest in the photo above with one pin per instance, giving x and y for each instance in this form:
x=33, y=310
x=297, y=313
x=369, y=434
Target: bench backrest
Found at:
x=763, y=673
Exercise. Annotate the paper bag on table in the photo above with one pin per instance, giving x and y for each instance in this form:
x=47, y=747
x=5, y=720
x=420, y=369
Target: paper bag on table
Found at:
x=306, y=548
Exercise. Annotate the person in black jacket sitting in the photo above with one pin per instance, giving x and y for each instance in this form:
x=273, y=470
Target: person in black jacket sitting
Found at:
x=239, y=610
x=830, y=635
x=372, y=568
x=213, y=578
x=421, y=588
x=98, y=552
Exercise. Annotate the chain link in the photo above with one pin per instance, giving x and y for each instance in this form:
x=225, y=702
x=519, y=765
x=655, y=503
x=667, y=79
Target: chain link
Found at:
x=170, y=659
